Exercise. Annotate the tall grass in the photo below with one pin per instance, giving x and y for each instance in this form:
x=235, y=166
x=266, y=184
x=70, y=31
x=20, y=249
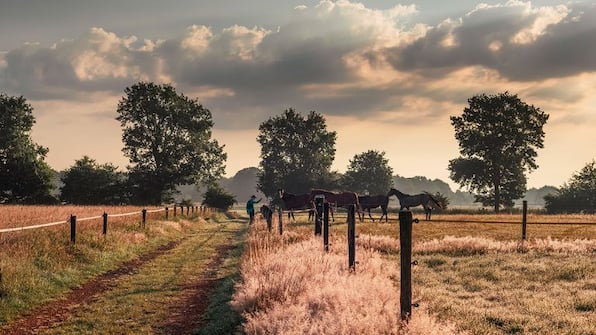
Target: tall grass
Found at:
x=295, y=288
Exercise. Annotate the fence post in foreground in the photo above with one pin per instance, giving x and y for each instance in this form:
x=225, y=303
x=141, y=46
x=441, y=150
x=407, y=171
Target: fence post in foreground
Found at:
x=524, y=218
x=405, y=251
x=144, y=212
x=269, y=219
x=326, y=226
x=105, y=223
x=174, y=210
x=279, y=218
x=351, y=239
x=73, y=228
x=167, y=210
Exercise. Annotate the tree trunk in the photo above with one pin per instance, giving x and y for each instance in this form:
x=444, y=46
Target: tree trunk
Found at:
x=497, y=194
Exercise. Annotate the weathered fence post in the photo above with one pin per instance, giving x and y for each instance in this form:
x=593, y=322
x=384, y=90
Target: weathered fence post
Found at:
x=351, y=239
x=167, y=210
x=524, y=218
x=405, y=251
x=319, y=199
x=175, y=210
x=105, y=223
x=279, y=218
x=326, y=226
x=144, y=212
x=73, y=228
x=269, y=219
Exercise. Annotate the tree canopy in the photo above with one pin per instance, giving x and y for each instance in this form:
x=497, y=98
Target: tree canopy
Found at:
x=89, y=183
x=498, y=137
x=296, y=153
x=576, y=196
x=369, y=173
x=167, y=138
x=25, y=177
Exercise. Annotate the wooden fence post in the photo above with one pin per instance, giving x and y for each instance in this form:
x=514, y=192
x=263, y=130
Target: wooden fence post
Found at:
x=144, y=212
x=175, y=210
x=405, y=251
x=326, y=226
x=524, y=218
x=105, y=223
x=269, y=219
x=351, y=239
x=73, y=228
x=279, y=218
x=167, y=209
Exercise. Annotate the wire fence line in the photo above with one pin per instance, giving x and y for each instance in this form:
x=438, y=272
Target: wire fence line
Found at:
x=67, y=221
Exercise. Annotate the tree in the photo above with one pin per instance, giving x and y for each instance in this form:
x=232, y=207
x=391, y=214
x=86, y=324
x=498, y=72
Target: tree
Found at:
x=167, y=138
x=88, y=183
x=498, y=136
x=579, y=195
x=24, y=175
x=296, y=153
x=217, y=197
x=369, y=173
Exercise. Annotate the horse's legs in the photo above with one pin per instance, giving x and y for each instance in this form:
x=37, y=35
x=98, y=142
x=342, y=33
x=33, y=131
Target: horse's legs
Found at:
x=384, y=210
x=370, y=216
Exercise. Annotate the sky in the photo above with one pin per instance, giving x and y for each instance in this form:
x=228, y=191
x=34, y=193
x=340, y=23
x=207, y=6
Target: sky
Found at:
x=386, y=75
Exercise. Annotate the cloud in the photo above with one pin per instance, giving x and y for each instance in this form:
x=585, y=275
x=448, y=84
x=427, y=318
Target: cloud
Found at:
x=339, y=58
x=519, y=41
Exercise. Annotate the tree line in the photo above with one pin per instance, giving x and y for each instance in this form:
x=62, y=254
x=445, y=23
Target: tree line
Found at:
x=167, y=139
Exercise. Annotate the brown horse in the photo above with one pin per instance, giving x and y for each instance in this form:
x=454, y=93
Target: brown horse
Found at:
x=293, y=202
x=343, y=199
x=368, y=202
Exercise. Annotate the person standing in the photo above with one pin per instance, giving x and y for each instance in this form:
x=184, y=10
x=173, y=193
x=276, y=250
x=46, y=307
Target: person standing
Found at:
x=250, y=207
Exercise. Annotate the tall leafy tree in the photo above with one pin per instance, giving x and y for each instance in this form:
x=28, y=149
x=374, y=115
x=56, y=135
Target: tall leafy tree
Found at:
x=578, y=195
x=498, y=137
x=369, y=173
x=296, y=153
x=167, y=138
x=24, y=175
x=90, y=183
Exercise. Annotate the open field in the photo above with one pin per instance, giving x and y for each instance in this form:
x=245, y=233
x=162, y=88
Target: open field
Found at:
x=471, y=279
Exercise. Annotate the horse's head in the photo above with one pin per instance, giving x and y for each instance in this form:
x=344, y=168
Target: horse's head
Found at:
x=281, y=192
x=395, y=192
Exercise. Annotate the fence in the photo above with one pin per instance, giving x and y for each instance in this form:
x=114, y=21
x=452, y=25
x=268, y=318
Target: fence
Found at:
x=72, y=220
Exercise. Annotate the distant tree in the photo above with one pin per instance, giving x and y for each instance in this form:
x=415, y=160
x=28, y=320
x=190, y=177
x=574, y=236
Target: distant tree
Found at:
x=89, y=183
x=578, y=195
x=498, y=136
x=167, y=138
x=369, y=173
x=296, y=153
x=24, y=175
x=217, y=197
x=441, y=199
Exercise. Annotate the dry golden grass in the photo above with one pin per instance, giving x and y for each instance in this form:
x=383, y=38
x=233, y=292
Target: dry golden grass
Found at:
x=475, y=278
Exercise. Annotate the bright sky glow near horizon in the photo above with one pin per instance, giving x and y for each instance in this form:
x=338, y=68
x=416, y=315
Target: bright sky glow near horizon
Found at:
x=387, y=75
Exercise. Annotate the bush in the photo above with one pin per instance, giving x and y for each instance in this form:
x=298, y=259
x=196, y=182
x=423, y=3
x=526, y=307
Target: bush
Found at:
x=217, y=197
x=578, y=196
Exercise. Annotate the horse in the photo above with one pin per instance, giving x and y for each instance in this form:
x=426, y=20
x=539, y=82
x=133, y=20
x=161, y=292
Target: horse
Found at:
x=406, y=201
x=368, y=202
x=294, y=202
x=343, y=199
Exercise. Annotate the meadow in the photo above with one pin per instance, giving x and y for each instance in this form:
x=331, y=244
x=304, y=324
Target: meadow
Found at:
x=471, y=278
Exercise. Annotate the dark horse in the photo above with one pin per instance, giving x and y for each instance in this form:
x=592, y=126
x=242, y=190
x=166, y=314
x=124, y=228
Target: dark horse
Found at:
x=406, y=201
x=294, y=202
x=368, y=202
x=343, y=199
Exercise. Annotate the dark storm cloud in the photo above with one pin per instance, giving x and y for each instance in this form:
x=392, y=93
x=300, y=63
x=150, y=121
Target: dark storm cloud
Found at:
x=565, y=48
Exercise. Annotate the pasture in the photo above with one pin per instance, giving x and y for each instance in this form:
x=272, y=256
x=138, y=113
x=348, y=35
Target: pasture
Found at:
x=471, y=278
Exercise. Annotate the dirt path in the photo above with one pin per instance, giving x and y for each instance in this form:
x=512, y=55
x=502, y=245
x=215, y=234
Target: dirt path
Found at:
x=181, y=312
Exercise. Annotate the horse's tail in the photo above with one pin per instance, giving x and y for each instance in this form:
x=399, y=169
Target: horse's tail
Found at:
x=435, y=201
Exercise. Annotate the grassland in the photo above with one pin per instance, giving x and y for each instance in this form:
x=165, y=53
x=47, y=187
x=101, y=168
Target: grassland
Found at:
x=472, y=278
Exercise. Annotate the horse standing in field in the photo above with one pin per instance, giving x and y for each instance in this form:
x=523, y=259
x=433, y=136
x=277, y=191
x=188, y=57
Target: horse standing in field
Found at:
x=368, y=202
x=406, y=201
x=293, y=202
x=343, y=199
